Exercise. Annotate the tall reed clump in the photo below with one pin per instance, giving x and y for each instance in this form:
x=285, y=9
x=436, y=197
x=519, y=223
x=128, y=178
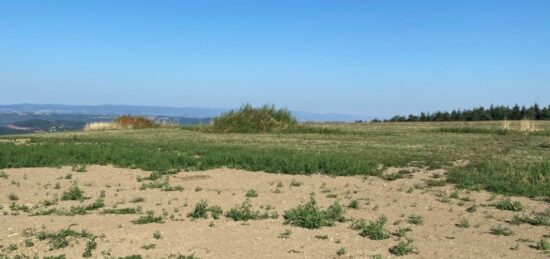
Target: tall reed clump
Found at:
x=527, y=125
x=122, y=122
x=249, y=119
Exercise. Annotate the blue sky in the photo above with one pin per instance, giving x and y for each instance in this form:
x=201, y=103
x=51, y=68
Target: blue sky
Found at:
x=358, y=57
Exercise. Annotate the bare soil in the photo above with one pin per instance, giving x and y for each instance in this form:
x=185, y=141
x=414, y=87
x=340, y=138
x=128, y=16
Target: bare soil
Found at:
x=437, y=237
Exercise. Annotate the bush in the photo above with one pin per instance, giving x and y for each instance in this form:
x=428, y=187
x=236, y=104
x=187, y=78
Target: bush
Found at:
x=250, y=119
x=310, y=216
x=73, y=194
x=245, y=213
x=375, y=229
x=508, y=204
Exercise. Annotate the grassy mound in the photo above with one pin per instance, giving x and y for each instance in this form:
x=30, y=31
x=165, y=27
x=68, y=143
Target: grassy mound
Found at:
x=250, y=119
x=122, y=122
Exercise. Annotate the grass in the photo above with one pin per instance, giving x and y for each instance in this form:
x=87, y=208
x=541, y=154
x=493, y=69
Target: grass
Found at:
x=148, y=218
x=501, y=231
x=60, y=239
x=513, y=164
x=508, y=204
x=251, y=193
x=416, y=220
x=310, y=216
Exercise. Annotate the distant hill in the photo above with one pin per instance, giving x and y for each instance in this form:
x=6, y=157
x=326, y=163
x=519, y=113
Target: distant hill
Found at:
x=190, y=112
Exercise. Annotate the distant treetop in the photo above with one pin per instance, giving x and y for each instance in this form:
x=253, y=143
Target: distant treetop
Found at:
x=499, y=112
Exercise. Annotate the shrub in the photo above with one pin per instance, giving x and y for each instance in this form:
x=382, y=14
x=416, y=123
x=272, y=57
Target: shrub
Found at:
x=375, y=229
x=245, y=212
x=250, y=119
x=73, y=194
x=416, y=220
x=500, y=230
x=543, y=245
x=251, y=193
x=148, y=218
x=402, y=248
x=201, y=211
x=310, y=216
x=508, y=204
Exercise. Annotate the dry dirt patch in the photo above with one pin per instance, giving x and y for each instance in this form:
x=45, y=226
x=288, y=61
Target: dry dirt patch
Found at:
x=397, y=200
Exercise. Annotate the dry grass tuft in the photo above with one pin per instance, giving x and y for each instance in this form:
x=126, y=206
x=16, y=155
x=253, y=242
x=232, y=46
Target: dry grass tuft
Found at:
x=122, y=122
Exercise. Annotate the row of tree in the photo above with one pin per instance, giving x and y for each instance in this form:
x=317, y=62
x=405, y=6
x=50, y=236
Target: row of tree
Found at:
x=500, y=112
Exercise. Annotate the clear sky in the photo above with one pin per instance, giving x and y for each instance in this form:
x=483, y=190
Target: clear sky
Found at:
x=360, y=57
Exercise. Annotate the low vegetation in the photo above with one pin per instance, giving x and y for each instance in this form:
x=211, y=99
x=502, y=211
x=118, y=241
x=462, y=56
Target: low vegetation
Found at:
x=310, y=216
x=249, y=119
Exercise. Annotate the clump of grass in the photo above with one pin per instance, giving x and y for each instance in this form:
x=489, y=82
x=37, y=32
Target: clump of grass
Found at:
x=436, y=183
x=323, y=237
x=403, y=248
x=539, y=219
x=286, y=234
x=354, y=204
x=201, y=211
x=78, y=168
x=149, y=217
x=58, y=240
x=3, y=175
x=245, y=212
x=121, y=211
x=464, y=223
x=375, y=230
x=249, y=119
x=137, y=200
x=543, y=245
x=13, y=197
x=472, y=209
x=401, y=232
x=341, y=251
x=73, y=194
x=508, y=204
x=399, y=175
x=295, y=183
x=148, y=246
x=501, y=230
x=157, y=235
x=251, y=193
x=311, y=216
x=91, y=245
x=416, y=220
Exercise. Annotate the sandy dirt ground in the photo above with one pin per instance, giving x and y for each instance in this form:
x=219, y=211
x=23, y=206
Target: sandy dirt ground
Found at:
x=117, y=236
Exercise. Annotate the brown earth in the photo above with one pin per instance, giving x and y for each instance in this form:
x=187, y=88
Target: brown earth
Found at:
x=437, y=237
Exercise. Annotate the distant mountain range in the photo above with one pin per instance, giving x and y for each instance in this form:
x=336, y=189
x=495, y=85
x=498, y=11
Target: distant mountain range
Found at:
x=190, y=112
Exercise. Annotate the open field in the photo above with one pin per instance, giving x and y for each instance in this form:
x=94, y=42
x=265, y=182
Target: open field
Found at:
x=442, y=184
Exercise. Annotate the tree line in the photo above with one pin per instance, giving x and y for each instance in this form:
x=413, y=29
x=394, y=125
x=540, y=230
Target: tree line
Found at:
x=499, y=112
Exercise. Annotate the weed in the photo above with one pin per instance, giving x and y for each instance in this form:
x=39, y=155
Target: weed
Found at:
x=295, y=183
x=245, y=212
x=403, y=248
x=500, y=230
x=286, y=234
x=121, y=211
x=354, y=204
x=149, y=246
x=464, y=223
x=90, y=246
x=323, y=237
x=401, y=232
x=148, y=218
x=251, y=193
x=472, y=209
x=507, y=204
x=341, y=251
x=13, y=197
x=375, y=230
x=73, y=194
x=543, y=245
x=78, y=168
x=436, y=183
x=3, y=175
x=310, y=216
x=416, y=220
